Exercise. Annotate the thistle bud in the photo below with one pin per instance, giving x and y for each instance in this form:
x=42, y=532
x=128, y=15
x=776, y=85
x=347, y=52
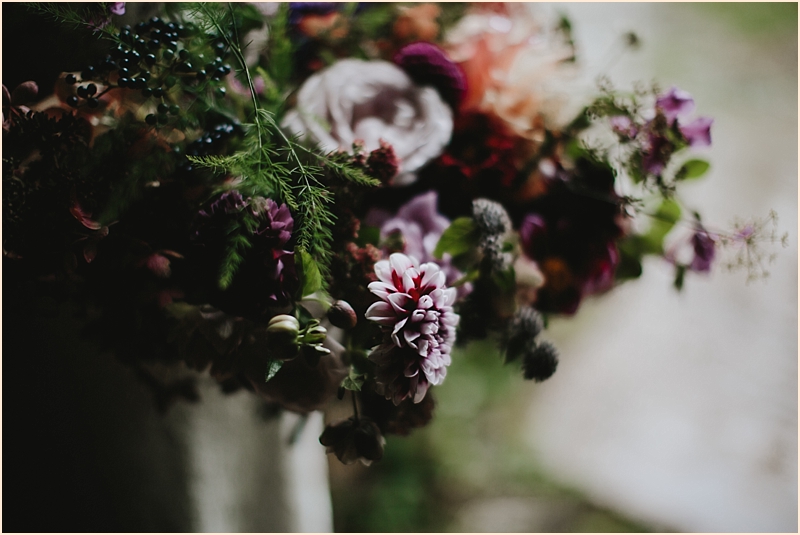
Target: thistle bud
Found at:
x=342, y=315
x=540, y=363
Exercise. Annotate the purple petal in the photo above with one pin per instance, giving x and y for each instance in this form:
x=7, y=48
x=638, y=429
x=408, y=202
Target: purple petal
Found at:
x=698, y=132
x=675, y=102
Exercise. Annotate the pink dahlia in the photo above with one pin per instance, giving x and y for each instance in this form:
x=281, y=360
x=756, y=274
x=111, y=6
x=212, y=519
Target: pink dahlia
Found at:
x=417, y=315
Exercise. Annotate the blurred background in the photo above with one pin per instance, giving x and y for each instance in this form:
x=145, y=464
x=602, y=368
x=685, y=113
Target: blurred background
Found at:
x=669, y=411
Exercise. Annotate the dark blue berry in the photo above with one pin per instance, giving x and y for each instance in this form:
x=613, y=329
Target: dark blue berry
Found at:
x=201, y=75
x=154, y=44
x=146, y=92
x=70, y=79
x=169, y=54
x=183, y=54
x=158, y=92
x=172, y=45
x=174, y=109
x=123, y=82
x=93, y=102
x=150, y=59
x=81, y=91
x=150, y=119
x=91, y=89
x=163, y=108
x=73, y=101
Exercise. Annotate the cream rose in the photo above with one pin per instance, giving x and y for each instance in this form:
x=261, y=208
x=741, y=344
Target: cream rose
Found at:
x=369, y=101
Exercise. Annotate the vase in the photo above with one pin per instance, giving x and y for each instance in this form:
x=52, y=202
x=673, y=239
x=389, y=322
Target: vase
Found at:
x=86, y=449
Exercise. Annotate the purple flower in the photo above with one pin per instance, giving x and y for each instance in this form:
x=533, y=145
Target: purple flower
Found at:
x=704, y=250
x=117, y=8
x=228, y=203
x=675, y=102
x=278, y=223
x=421, y=225
x=416, y=313
x=267, y=275
x=99, y=13
x=427, y=64
x=698, y=132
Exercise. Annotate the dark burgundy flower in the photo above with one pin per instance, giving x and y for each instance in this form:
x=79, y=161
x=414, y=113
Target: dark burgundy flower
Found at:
x=570, y=232
x=427, y=64
x=354, y=439
x=382, y=163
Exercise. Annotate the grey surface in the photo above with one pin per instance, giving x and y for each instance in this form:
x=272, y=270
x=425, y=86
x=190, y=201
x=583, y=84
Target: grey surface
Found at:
x=681, y=409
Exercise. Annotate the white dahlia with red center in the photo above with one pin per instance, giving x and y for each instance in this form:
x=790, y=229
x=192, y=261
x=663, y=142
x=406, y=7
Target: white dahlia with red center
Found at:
x=416, y=312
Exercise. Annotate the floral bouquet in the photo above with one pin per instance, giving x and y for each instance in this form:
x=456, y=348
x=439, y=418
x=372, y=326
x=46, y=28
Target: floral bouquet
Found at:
x=312, y=200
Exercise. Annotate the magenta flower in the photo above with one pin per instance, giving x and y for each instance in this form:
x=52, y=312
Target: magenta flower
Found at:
x=417, y=315
x=698, y=132
x=116, y=8
x=675, y=102
x=427, y=64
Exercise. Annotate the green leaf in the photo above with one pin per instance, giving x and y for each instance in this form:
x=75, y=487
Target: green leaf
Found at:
x=664, y=219
x=692, y=169
x=459, y=238
x=272, y=369
x=353, y=382
x=310, y=276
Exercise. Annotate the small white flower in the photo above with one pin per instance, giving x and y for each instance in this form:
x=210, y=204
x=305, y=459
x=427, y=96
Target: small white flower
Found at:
x=368, y=101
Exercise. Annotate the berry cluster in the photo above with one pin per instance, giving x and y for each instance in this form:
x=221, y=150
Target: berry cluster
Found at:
x=211, y=142
x=153, y=57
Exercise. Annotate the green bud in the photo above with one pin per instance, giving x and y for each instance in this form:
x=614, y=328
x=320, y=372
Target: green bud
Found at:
x=315, y=335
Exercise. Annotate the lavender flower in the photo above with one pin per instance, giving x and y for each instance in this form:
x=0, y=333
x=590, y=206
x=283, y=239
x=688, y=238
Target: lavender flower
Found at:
x=421, y=225
x=416, y=313
x=698, y=132
x=675, y=102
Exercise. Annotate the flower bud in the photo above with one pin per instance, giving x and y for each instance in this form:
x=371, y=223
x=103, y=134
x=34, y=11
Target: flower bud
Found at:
x=315, y=335
x=342, y=315
x=282, y=334
x=283, y=323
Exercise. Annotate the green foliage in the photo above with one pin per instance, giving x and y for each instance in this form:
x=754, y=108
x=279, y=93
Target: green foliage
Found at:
x=308, y=270
x=665, y=217
x=459, y=238
x=280, y=50
x=80, y=15
x=694, y=168
x=273, y=368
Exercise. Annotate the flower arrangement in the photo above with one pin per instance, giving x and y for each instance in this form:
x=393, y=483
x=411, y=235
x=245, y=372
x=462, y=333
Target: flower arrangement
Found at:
x=336, y=205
